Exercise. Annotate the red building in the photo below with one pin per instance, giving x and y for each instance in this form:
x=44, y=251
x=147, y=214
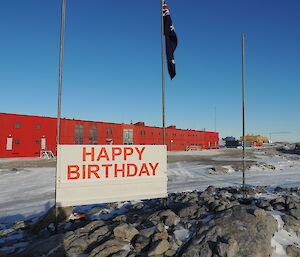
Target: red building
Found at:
x=27, y=136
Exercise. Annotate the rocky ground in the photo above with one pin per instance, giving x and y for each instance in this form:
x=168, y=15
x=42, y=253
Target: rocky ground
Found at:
x=211, y=223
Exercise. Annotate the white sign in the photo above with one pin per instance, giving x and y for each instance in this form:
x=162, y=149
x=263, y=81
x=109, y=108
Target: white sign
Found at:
x=91, y=174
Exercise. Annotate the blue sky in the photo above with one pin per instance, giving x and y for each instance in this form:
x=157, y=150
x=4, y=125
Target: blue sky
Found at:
x=112, y=65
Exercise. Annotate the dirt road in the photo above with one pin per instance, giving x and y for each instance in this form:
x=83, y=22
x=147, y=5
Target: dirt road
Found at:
x=217, y=157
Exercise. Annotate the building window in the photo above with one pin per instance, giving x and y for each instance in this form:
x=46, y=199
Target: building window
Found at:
x=37, y=142
x=37, y=126
x=18, y=125
x=109, y=131
x=17, y=142
x=79, y=134
x=93, y=135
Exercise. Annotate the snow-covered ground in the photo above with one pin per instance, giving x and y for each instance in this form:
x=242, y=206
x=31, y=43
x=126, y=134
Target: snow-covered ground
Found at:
x=190, y=175
x=30, y=191
x=282, y=238
x=25, y=192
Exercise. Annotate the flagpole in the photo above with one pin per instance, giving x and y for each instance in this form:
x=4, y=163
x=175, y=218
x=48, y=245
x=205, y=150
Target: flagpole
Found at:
x=61, y=53
x=243, y=109
x=163, y=73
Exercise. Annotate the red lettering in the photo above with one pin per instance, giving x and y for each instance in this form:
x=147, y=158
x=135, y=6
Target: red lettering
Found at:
x=140, y=152
x=103, y=154
x=106, y=169
x=144, y=169
x=85, y=153
x=127, y=151
x=115, y=152
x=83, y=171
x=93, y=169
x=73, y=169
x=153, y=168
x=134, y=170
x=119, y=170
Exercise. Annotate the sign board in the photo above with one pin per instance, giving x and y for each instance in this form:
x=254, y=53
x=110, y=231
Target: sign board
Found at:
x=91, y=174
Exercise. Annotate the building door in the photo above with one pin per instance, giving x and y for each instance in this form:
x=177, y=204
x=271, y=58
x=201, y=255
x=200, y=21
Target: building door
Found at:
x=128, y=136
x=9, y=143
x=43, y=143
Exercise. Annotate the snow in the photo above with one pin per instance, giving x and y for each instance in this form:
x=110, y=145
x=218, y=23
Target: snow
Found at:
x=282, y=238
x=185, y=176
x=182, y=234
x=27, y=193
x=195, y=153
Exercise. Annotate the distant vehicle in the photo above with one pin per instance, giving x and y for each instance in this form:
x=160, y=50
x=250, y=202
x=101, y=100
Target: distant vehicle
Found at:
x=232, y=142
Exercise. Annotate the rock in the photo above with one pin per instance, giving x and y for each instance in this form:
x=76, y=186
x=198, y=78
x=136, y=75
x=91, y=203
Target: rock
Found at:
x=3, y=254
x=210, y=189
x=228, y=249
x=5, y=232
x=293, y=251
x=295, y=213
x=223, y=193
x=159, y=247
x=267, y=166
x=291, y=224
x=63, y=214
x=138, y=206
x=170, y=253
x=51, y=246
x=264, y=204
x=148, y=232
x=120, y=218
x=169, y=218
x=121, y=253
x=259, y=213
x=141, y=242
x=279, y=207
x=174, y=243
x=204, y=251
x=189, y=211
x=160, y=236
x=248, y=190
x=161, y=227
x=220, y=207
x=217, y=170
x=76, y=242
x=234, y=232
x=125, y=231
x=110, y=247
x=19, y=225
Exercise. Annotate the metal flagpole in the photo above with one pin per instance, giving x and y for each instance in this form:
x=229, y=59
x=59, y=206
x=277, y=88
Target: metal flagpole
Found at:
x=243, y=109
x=163, y=72
x=165, y=200
x=61, y=53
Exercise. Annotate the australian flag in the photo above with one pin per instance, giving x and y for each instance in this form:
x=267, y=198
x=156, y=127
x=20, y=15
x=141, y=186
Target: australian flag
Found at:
x=171, y=39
